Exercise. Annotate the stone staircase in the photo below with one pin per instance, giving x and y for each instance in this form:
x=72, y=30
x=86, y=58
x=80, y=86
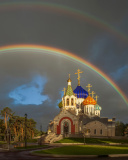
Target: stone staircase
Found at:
x=52, y=137
x=56, y=138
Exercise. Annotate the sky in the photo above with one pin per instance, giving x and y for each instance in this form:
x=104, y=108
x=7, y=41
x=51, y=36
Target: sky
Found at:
x=32, y=81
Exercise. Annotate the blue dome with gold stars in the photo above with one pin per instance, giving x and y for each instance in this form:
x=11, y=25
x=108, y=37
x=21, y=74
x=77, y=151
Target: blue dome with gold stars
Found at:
x=80, y=92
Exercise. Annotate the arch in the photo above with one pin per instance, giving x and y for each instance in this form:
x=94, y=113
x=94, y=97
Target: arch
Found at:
x=72, y=102
x=62, y=125
x=67, y=102
x=72, y=126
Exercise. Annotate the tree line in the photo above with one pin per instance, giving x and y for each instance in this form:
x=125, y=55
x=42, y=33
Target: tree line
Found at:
x=121, y=129
x=15, y=126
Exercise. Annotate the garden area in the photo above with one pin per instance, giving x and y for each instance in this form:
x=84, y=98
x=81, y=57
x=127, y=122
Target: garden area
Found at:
x=86, y=150
x=93, y=140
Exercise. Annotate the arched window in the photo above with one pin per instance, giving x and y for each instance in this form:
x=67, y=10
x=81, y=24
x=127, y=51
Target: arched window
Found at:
x=67, y=101
x=101, y=131
x=64, y=102
x=91, y=110
x=94, y=131
x=72, y=102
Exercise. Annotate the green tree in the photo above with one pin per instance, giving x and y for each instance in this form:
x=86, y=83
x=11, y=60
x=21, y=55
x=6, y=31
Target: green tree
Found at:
x=120, y=127
x=31, y=127
x=2, y=129
x=6, y=113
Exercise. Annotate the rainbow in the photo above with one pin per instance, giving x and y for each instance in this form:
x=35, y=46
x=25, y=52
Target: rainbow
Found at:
x=75, y=13
x=66, y=54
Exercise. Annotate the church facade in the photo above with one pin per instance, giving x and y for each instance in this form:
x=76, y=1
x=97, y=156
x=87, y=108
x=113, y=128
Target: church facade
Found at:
x=80, y=114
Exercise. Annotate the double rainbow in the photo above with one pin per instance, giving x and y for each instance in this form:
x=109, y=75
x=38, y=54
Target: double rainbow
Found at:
x=69, y=55
x=72, y=12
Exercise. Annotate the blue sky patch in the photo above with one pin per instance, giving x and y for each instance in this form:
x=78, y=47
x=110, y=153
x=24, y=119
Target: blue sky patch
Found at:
x=30, y=93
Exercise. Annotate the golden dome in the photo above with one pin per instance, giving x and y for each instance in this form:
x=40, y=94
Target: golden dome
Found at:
x=89, y=100
x=69, y=80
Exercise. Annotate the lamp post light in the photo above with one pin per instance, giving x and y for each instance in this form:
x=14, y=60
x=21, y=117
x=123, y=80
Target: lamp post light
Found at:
x=40, y=135
x=84, y=133
x=25, y=130
x=9, y=131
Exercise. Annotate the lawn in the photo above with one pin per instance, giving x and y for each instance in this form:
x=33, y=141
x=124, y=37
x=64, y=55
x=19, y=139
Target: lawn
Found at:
x=31, y=147
x=86, y=150
x=30, y=140
x=92, y=140
x=2, y=142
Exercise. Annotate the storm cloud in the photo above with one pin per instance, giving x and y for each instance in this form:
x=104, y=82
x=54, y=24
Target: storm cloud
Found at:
x=32, y=82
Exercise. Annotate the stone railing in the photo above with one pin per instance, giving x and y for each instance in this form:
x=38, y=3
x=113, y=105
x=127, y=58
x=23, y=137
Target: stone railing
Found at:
x=49, y=137
x=56, y=138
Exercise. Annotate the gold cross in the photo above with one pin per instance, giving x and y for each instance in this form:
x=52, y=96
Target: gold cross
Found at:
x=78, y=72
x=64, y=90
x=69, y=76
x=92, y=93
x=89, y=86
x=96, y=97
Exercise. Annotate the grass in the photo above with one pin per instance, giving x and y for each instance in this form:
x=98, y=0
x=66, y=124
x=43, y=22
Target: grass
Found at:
x=86, y=150
x=92, y=140
x=2, y=142
x=30, y=140
x=31, y=147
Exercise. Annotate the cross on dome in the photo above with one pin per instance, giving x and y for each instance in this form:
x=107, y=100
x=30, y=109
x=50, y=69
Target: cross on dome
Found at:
x=96, y=97
x=89, y=86
x=78, y=72
x=69, y=80
x=64, y=89
x=92, y=93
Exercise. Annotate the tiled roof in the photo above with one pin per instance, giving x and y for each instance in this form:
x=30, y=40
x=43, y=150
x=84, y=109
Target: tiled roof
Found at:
x=80, y=92
x=69, y=91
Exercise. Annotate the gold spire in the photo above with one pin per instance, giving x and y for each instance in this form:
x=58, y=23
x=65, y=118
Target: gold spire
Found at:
x=69, y=80
x=92, y=93
x=89, y=86
x=78, y=72
x=64, y=90
x=96, y=97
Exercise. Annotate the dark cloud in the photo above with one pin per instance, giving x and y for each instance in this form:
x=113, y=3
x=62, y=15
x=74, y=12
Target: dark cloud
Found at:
x=105, y=49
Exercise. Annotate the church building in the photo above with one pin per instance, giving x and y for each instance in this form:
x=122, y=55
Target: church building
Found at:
x=80, y=114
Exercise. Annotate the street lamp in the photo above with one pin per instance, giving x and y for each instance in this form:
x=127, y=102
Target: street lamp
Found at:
x=41, y=135
x=25, y=130
x=85, y=131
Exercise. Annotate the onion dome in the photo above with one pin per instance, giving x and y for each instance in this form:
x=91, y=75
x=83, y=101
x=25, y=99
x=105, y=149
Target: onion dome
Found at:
x=69, y=80
x=60, y=105
x=89, y=100
x=80, y=92
x=97, y=107
x=69, y=91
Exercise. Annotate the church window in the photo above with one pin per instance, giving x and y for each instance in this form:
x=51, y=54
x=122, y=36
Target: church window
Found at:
x=72, y=102
x=94, y=131
x=64, y=102
x=101, y=131
x=67, y=101
x=91, y=110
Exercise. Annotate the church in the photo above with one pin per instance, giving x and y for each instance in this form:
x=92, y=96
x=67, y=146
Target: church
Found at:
x=80, y=114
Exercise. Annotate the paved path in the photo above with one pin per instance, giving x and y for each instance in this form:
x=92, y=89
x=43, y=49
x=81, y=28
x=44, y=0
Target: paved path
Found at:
x=25, y=155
